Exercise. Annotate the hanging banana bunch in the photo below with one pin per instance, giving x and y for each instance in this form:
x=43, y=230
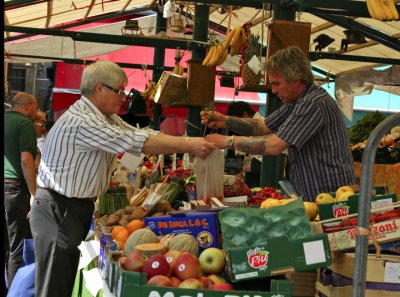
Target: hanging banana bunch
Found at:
x=383, y=10
x=235, y=40
x=178, y=69
x=216, y=54
x=150, y=88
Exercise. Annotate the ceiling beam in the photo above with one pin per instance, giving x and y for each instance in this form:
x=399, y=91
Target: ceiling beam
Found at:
x=107, y=16
x=20, y=3
x=314, y=56
x=371, y=33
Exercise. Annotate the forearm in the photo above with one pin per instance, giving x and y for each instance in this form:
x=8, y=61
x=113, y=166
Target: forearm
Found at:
x=246, y=126
x=29, y=172
x=166, y=144
x=260, y=146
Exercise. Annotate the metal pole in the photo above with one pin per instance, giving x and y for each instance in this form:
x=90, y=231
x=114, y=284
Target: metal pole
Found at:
x=364, y=205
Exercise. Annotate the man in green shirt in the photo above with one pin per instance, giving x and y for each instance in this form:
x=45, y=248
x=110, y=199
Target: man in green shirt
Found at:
x=19, y=174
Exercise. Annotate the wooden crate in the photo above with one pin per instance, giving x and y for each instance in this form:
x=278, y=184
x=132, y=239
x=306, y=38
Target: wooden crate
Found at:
x=330, y=291
x=303, y=283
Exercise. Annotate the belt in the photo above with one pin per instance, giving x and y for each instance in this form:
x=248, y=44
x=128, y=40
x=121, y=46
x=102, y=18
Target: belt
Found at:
x=87, y=200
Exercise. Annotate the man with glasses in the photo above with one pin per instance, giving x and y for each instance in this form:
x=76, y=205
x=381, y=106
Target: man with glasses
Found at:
x=76, y=165
x=19, y=174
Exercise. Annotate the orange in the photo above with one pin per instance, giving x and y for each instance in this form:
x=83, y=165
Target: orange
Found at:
x=135, y=225
x=116, y=230
x=122, y=235
x=120, y=245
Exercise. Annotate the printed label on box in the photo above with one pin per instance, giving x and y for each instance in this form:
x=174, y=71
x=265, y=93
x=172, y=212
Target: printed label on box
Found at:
x=392, y=272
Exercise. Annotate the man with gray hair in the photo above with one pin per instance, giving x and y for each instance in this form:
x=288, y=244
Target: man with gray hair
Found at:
x=19, y=174
x=75, y=168
x=309, y=124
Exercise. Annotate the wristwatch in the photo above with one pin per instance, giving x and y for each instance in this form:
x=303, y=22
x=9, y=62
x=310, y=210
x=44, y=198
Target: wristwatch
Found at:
x=229, y=144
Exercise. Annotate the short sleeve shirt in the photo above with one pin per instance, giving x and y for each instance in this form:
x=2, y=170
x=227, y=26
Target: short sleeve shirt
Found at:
x=320, y=158
x=19, y=136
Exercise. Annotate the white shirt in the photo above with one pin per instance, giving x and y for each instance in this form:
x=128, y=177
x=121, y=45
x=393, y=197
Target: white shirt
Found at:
x=81, y=149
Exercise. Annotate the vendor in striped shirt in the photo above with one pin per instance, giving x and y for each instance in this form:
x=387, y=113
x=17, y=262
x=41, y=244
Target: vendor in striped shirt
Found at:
x=76, y=165
x=309, y=124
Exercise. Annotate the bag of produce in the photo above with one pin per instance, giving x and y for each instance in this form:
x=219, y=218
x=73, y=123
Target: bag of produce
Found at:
x=210, y=176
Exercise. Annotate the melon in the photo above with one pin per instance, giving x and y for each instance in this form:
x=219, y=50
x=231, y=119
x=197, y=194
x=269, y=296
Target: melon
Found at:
x=184, y=243
x=150, y=249
x=139, y=236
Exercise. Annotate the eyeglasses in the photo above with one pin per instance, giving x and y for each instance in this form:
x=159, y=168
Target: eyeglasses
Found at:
x=116, y=91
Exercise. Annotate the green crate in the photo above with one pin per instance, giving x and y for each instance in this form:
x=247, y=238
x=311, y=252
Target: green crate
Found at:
x=279, y=256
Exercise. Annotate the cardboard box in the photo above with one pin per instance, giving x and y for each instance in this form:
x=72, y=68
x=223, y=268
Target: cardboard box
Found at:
x=344, y=208
x=133, y=284
x=384, y=269
x=330, y=291
x=202, y=225
x=279, y=256
x=106, y=245
x=303, y=283
x=380, y=232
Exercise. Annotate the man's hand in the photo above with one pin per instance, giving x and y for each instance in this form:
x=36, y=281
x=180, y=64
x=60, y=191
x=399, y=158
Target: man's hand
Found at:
x=200, y=147
x=221, y=141
x=213, y=119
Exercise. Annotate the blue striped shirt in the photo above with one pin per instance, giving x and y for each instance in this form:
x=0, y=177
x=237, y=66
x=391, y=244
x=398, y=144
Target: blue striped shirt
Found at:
x=320, y=157
x=81, y=148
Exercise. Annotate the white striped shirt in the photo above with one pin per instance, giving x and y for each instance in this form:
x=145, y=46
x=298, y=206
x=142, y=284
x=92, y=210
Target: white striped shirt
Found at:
x=320, y=157
x=81, y=148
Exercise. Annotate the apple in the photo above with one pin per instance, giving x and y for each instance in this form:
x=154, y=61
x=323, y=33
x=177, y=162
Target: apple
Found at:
x=212, y=261
x=156, y=265
x=286, y=201
x=171, y=257
x=344, y=196
x=187, y=266
x=190, y=283
x=206, y=283
x=216, y=279
x=270, y=202
x=311, y=210
x=222, y=287
x=160, y=281
x=344, y=189
x=175, y=281
x=134, y=261
x=324, y=198
x=121, y=260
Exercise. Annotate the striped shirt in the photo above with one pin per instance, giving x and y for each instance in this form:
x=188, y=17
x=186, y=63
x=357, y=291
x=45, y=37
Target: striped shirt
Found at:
x=320, y=157
x=81, y=148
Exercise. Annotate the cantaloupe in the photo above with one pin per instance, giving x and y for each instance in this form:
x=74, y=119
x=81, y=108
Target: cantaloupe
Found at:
x=150, y=249
x=139, y=236
x=185, y=243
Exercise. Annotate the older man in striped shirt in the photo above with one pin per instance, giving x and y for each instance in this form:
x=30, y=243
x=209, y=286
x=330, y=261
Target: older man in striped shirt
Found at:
x=309, y=124
x=76, y=166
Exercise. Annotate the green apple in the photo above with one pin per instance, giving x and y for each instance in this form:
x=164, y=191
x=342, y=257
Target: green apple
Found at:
x=344, y=196
x=344, y=189
x=324, y=198
x=212, y=261
x=190, y=283
x=311, y=210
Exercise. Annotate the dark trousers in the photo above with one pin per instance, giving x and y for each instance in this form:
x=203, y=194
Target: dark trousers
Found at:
x=16, y=208
x=59, y=224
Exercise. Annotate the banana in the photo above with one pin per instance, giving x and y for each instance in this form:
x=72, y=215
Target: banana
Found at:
x=237, y=43
x=230, y=37
x=176, y=69
x=148, y=90
x=209, y=55
x=386, y=10
x=217, y=54
x=392, y=7
x=223, y=55
x=371, y=10
x=181, y=70
x=379, y=10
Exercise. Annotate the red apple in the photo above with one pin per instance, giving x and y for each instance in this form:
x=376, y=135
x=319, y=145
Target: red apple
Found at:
x=171, y=257
x=206, y=283
x=187, y=266
x=216, y=279
x=134, y=261
x=190, y=283
x=222, y=287
x=212, y=261
x=175, y=281
x=160, y=280
x=156, y=265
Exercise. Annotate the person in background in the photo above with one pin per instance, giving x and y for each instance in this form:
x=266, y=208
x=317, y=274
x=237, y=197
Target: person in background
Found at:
x=19, y=175
x=242, y=109
x=40, y=129
x=76, y=165
x=309, y=124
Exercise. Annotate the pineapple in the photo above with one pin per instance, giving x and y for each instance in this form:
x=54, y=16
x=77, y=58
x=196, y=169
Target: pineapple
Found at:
x=249, y=77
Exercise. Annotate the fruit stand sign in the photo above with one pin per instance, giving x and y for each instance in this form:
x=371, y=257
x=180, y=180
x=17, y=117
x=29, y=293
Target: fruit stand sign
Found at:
x=278, y=256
